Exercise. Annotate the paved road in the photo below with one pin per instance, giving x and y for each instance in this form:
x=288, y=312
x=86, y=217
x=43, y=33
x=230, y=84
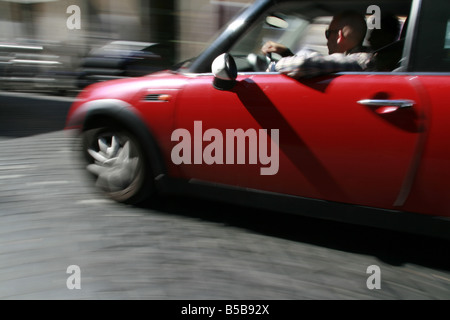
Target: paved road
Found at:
x=51, y=218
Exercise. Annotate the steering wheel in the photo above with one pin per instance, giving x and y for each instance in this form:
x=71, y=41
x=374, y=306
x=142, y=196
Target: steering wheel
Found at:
x=260, y=62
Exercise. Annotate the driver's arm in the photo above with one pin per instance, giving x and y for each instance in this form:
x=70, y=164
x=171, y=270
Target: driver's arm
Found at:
x=308, y=63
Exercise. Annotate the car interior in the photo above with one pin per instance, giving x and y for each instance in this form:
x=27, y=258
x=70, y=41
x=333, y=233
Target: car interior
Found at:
x=300, y=25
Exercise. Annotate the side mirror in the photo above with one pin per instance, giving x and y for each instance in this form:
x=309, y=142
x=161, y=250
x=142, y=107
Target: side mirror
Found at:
x=225, y=72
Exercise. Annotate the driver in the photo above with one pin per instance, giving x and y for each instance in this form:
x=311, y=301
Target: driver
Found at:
x=345, y=36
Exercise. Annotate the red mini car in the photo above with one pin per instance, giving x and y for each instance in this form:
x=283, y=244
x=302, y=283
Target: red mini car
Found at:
x=363, y=147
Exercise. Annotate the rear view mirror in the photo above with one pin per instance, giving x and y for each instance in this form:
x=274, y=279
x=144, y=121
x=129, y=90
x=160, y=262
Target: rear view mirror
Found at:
x=225, y=72
x=277, y=22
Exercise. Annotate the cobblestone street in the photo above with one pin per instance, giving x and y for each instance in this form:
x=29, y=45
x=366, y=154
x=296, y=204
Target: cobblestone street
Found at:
x=52, y=218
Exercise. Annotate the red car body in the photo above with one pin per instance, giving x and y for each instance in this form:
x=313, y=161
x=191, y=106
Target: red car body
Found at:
x=373, y=164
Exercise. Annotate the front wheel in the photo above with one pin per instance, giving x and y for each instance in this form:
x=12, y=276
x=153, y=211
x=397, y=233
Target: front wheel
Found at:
x=116, y=160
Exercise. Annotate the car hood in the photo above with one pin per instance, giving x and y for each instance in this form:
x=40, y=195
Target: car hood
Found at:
x=126, y=89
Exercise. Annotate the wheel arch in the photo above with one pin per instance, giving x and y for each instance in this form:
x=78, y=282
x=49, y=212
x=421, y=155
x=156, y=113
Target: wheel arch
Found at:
x=114, y=112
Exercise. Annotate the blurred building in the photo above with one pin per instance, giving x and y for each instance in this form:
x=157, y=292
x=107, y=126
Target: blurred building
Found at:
x=186, y=26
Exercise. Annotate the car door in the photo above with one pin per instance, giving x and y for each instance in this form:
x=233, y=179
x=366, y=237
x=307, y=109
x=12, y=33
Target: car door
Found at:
x=349, y=138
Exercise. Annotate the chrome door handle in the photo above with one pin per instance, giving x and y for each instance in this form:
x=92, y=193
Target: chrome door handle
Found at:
x=387, y=103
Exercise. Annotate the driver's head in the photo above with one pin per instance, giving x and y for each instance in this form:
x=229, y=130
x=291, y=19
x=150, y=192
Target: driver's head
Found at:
x=346, y=31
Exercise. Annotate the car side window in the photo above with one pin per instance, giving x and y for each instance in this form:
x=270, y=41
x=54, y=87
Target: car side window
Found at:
x=431, y=51
x=302, y=25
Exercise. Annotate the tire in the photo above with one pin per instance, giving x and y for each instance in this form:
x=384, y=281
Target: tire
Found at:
x=116, y=161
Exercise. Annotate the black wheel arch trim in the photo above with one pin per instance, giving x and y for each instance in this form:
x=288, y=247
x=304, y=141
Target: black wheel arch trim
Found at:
x=88, y=115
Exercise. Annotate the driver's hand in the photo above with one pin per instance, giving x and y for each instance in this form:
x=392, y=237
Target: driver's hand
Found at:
x=274, y=47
